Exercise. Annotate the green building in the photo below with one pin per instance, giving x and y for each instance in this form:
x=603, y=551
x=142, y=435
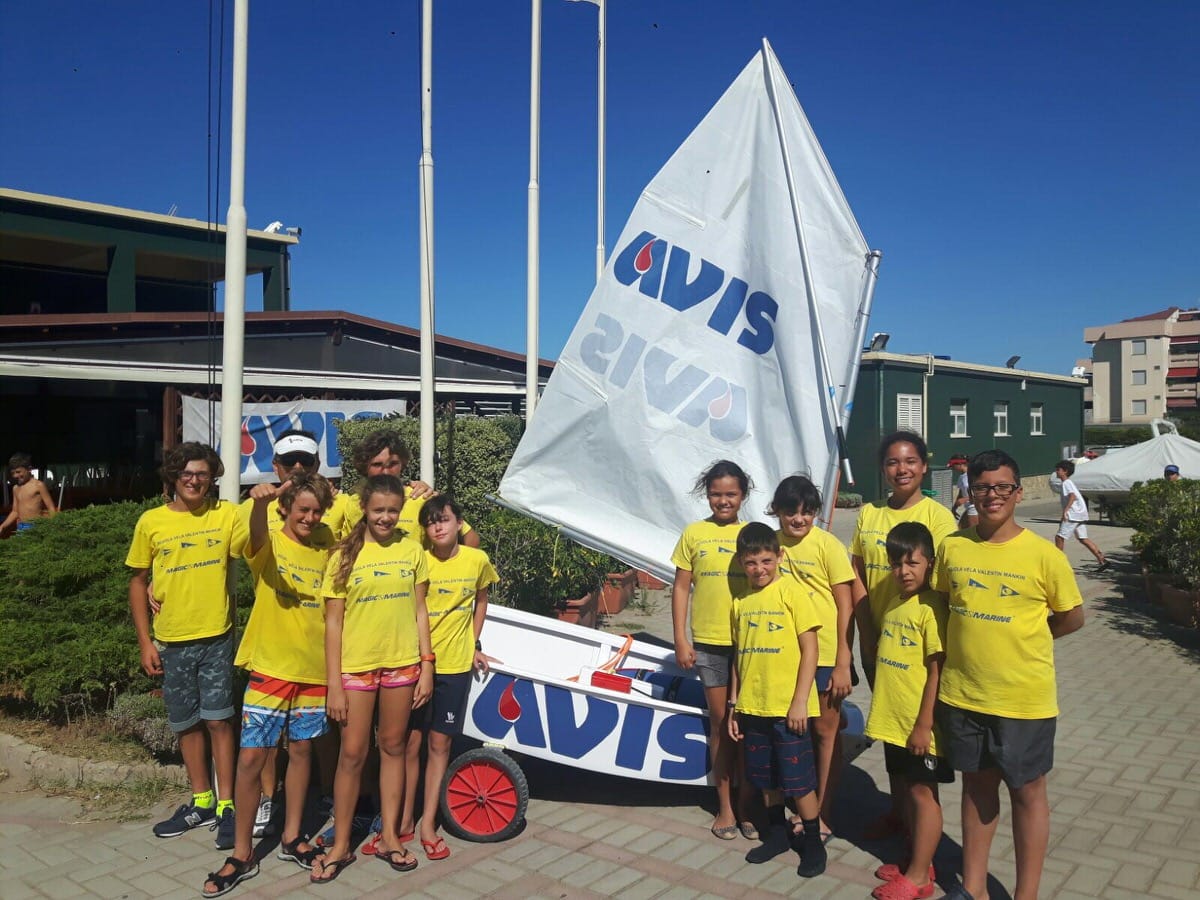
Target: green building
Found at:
x=960, y=407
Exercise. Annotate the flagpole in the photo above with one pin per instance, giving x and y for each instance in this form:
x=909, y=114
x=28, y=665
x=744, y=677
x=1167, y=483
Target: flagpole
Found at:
x=533, y=239
x=425, y=170
x=233, y=329
x=602, y=9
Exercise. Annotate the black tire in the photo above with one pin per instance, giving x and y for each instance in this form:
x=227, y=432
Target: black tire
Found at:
x=484, y=796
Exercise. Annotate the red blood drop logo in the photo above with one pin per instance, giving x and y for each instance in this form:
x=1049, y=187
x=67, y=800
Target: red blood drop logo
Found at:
x=509, y=708
x=719, y=408
x=248, y=442
x=644, y=259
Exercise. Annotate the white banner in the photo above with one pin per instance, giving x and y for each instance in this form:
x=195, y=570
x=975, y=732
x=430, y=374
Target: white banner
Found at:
x=262, y=423
x=698, y=343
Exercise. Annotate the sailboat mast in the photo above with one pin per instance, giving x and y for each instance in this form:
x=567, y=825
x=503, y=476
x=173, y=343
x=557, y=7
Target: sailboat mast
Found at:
x=233, y=330
x=425, y=169
x=533, y=237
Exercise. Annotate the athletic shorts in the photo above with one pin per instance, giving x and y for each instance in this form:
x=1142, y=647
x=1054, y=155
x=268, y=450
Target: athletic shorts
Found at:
x=916, y=769
x=197, y=680
x=776, y=758
x=381, y=678
x=1068, y=528
x=24, y=526
x=712, y=664
x=823, y=679
x=445, y=710
x=272, y=705
x=1022, y=749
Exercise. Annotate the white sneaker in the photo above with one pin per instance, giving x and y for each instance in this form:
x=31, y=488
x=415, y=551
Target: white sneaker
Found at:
x=262, y=819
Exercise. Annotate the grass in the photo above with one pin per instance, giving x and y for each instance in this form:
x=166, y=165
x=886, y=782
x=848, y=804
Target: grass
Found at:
x=87, y=737
x=129, y=801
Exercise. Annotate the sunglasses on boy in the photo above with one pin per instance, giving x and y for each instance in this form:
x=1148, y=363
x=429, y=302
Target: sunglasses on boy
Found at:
x=290, y=459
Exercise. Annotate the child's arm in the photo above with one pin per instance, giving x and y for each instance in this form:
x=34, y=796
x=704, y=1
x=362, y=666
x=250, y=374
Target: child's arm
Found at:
x=337, y=704
x=731, y=719
x=685, y=654
x=868, y=639
x=424, y=688
x=51, y=509
x=839, y=685
x=470, y=539
x=797, y=714
x=12, y=519
x=481, y=601
x=139, y=608
x=922, y=733
x=262, y=495
x=1064, y=623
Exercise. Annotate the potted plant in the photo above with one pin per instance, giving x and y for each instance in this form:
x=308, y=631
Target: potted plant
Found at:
x=1168, y=539
x=617, y=591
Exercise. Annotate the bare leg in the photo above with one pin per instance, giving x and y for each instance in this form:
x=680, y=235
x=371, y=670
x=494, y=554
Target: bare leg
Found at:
x=1031, y=835
x=356, y=738
x=194, y=750
x=224, y=751
x=435, y=770
x=1059, y=542
x=980, y=815
x=926, y=829
x=1095, y=551
x=270, y=773
x=395, y=704
x=295, y=788
x=827, y=744
x=720, y=752
x=412, y=778
x=249, y=767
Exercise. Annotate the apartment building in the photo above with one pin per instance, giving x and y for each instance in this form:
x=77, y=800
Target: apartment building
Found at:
x=1144, y=368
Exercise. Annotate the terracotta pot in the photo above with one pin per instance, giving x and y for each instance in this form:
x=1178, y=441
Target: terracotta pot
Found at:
x=1180, y=604
x=649, y=582
x=617, y=591
x=1154, y=582
x=581, y=611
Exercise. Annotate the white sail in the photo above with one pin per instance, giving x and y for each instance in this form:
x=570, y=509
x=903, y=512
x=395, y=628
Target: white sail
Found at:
x=699, y=343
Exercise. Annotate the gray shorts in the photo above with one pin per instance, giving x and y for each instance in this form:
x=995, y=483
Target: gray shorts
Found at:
x=198, y=680
x=1022, y=749
x=712, y=664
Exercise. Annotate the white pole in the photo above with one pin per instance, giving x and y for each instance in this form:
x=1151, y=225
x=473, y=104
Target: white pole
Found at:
x=426, y=201
x=234, y=319
x=532, y=284
x=600, y=106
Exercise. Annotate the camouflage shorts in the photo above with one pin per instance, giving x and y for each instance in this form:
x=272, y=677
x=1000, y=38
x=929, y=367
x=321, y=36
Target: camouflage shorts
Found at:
x=198, y=680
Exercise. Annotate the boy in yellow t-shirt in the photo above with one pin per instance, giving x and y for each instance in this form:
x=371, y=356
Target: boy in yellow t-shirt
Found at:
x=187, y=544
x=773, y=696
x=1012, y=594
x=911, y=640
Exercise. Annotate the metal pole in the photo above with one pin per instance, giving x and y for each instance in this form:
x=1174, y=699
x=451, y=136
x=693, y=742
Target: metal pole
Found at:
x=532, y=283
x=600, y=104
x=234, y=320
x=426, y=201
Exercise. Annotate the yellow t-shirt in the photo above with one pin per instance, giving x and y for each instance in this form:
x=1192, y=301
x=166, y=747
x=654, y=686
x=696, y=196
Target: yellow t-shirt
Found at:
x=188, y=555
x=324, y=535
x=409, y=521
x=870, y=541
x=453, y=584
x=337, y=517
x=818, y=561
x=709, y=552
x=380, y=626
x=768, y=623
x=999, y=650
x=912, y=631
x=285, y=637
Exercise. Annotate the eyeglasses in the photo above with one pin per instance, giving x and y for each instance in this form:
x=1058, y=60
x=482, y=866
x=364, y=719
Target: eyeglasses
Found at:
x=1003, y=490
x=194, y=476
x=304, y=459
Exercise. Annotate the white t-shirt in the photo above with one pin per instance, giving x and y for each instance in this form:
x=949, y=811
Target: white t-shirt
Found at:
x=964, y=490
x=1073, y=502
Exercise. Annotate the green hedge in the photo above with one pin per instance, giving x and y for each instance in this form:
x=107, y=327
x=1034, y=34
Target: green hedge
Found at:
x=1166, y=518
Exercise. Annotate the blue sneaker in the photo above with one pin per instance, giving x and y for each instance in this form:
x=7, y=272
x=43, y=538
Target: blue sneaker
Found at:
x=225, y=830
x=185, y=818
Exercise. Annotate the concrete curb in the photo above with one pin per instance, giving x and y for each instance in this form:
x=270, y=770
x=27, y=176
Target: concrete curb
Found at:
x=28, y=761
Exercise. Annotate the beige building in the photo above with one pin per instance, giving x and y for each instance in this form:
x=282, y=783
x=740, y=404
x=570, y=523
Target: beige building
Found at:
x=1144, y=368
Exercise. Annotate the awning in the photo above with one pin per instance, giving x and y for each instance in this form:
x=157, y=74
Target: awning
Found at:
x=1185, y=339
x=1181, y=402
x=1183, y=372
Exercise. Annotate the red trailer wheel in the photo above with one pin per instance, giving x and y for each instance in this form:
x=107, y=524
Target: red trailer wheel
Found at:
x=484, y=796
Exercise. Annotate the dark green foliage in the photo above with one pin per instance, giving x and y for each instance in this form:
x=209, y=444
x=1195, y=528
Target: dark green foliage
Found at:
x=1103, y=436
x=846, y=500
x=1166, y=516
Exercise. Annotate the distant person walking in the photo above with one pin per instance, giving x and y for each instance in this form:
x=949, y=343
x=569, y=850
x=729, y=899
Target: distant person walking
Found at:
x=1074, y=514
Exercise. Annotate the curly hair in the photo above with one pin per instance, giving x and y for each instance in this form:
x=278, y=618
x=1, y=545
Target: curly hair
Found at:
x=375, y=443
x=176, y=459
x=315, y=484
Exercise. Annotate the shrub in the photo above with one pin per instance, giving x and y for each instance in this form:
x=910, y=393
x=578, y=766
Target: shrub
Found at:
x=848, y=501
x=143, y=717
x=1166, y=516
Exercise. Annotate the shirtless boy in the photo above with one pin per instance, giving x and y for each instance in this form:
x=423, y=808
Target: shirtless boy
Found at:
x=31, y=500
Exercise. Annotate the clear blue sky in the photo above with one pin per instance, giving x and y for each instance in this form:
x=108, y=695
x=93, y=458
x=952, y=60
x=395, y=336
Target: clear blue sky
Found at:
x=1027, y=168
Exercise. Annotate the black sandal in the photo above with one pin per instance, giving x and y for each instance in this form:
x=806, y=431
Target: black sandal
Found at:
x=242, y=869
x=288, y=851
x=332, y=868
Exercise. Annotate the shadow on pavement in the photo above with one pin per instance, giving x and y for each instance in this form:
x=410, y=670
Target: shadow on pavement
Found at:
x=1127, y=608
x=564, y=784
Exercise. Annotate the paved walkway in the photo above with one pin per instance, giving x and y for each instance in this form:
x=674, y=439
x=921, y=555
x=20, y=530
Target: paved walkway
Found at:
x=1125, y=796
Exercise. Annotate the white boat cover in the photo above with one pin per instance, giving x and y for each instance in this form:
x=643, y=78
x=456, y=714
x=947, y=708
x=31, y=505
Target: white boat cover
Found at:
x=698, y=342
x=1118, y=470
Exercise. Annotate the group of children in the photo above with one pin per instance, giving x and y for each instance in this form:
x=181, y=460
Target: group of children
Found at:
x=956, y=630
x=366, y=612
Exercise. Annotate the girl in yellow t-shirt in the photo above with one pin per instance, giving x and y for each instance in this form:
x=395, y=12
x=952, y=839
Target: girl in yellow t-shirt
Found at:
x=283, y=649
x=376, y=644
x=459, y=578
x=707, y=571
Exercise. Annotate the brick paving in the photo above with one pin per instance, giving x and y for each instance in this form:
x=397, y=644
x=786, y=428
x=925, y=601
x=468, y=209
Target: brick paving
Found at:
x=1125, y=797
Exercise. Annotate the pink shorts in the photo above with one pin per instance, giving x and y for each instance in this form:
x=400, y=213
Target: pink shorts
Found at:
x=405, y=676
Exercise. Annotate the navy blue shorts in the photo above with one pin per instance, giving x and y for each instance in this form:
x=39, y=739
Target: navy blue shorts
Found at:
x=445, y=710
x=776, y=758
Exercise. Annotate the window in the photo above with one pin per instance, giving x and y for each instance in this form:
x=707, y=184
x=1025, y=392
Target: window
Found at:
x=1138, y=376
x=1000, y=418
x=1137, y=348
x=909, y=413
x=1037, y=418
x=958, y=418
x=1138, y=407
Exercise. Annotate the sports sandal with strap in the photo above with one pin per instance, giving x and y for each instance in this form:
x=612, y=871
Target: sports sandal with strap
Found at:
x=242, y=869
x=290, y=851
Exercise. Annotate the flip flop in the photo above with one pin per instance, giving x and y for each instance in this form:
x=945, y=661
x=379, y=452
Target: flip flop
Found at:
x=335, y=866
x=749, y=832
x=725, y=833
x=435, y=849
x=389, y=857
